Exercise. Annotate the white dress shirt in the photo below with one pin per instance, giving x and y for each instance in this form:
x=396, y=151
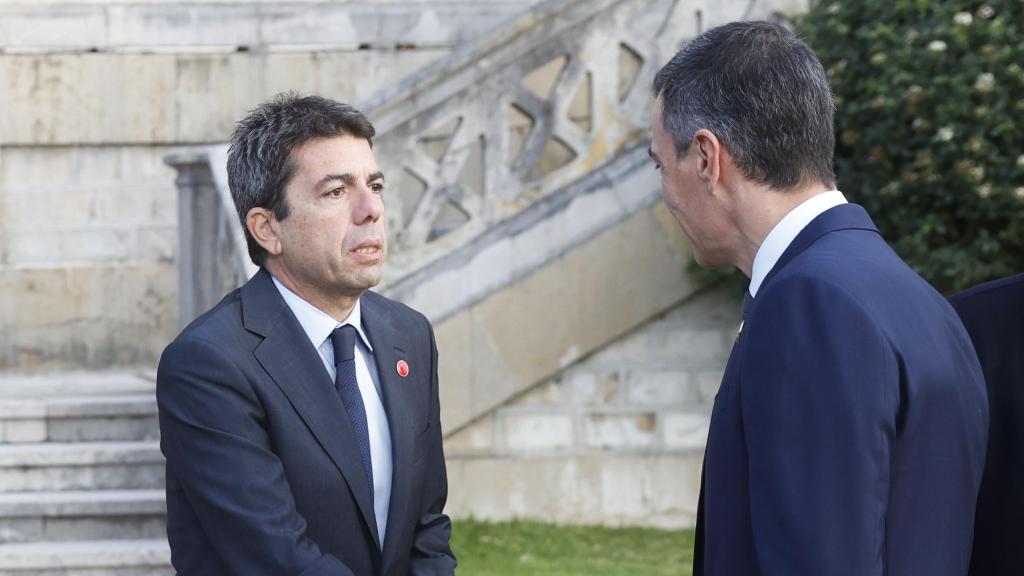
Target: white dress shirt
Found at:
x=318, y=326
x=783, y=234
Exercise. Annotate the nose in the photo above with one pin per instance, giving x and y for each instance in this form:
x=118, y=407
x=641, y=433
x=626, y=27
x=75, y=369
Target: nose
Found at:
x=369, y=206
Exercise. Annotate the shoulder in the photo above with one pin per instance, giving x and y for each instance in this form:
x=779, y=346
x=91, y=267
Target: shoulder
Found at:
x=1010, y=289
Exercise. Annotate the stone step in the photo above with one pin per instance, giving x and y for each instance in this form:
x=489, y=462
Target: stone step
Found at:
x=80, y=515
x=87, y=558
x=81, y=466
x=78, y=407
x=79, y=419
x=63, y=384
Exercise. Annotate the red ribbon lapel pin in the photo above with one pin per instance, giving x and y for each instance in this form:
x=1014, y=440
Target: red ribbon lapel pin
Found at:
x=403, y=368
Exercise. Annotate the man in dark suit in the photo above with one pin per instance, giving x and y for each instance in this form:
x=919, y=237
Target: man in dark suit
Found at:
x=993, y=313
x=300, y=417
x=848, y=435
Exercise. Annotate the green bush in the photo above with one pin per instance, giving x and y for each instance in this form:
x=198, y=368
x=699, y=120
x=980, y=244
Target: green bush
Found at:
x=930, y=127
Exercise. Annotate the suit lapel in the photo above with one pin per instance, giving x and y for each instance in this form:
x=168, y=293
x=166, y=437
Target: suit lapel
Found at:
x=295, y=366
x=390, y=345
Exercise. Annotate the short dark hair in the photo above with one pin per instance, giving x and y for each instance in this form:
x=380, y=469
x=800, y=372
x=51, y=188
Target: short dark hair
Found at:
x=762, y=92
x=260, y=163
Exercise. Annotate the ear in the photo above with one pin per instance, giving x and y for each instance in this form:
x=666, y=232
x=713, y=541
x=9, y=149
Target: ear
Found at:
x=262, y=227
x=709, y=157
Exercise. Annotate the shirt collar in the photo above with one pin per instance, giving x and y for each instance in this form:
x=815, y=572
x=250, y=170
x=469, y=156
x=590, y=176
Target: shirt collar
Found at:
x=783, y=234
x=316, y=324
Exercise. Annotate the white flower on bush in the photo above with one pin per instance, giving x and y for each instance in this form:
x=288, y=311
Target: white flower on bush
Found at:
x=985, y=82
x=986, y=12
x=945, y=134
x=1020, y=161
x=1019, y=191
x=963, y=18
x=937, y=46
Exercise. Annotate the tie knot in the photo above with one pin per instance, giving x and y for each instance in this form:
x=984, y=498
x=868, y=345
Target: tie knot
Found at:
x=344, y=340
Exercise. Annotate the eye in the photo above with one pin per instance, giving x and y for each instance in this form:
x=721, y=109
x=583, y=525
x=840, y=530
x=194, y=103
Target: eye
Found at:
x=657, y=167
x=377, y=187
x=336, y=192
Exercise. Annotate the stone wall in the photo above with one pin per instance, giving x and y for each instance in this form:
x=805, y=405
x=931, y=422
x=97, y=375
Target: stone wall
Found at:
x=617, y=438
x=96, y=94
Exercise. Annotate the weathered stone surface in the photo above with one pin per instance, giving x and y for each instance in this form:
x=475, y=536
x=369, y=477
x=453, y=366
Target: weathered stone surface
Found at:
x=498, y=357
x=608, y=488
x=132, y=557
x=86, y=317
x=70, y=516
x=621, y=430
x=535, y=431
x=252, y=24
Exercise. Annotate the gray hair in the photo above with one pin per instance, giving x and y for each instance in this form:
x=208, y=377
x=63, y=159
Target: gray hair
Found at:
x=259, y=159
x=762, y=92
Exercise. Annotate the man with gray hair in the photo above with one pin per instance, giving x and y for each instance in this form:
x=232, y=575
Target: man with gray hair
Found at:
x=300, y=417
x=848, y=434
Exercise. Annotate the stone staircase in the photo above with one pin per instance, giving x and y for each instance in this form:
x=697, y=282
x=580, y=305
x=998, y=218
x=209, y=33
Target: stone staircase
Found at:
x=81, y=476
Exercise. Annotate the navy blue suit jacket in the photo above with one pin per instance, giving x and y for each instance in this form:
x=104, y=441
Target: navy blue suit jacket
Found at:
x=848, y=435
x=993, y=313
x=263, y=474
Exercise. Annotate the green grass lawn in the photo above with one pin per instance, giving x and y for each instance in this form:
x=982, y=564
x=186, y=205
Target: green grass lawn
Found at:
x=530, y=548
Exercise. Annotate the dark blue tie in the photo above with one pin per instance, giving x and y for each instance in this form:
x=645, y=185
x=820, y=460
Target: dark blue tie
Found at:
x=344, y=340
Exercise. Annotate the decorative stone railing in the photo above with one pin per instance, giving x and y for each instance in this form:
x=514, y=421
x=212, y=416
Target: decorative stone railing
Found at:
x=478, y=137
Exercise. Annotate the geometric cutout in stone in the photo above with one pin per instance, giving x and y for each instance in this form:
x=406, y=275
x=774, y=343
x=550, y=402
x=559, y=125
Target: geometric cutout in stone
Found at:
x=581, y=112
x=541, y=81
x=472, y=175
x=435, y=142
x=556, y=154
x=519, y=126
x=449, y=218
x=411, y=189
x=630, y=62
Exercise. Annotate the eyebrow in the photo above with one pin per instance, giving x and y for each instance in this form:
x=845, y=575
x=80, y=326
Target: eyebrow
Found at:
x=348, y=178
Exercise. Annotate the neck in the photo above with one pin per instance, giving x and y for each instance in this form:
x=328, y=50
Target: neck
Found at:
x=759, y=209
x=337, y=306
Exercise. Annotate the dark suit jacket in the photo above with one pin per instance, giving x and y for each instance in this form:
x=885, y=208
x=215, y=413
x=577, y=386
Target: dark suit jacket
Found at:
x=263, y=475
x=848, y=436
x=994, y=316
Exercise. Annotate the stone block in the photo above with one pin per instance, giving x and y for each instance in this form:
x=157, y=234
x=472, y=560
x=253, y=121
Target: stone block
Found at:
x=658, y=388
x=475, y=438
x=86, y=317
x=58, y=25
x=162, y=24
x=639, y=489
x=620, y=430
x=694, y=347
x=22, y=431
x=684, y=431
x=548, y=393
x=33, y=248
x=595, y=389
x=101, y=246
x=526, y=432
x=156, y=244
x=708, y=382
x=64, y=98
x=212, y=92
